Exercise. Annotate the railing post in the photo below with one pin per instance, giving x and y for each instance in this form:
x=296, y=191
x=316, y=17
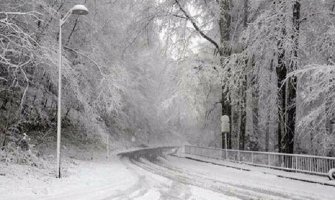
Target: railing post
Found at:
x=268, y=160
x=252, y=157
x=296, y=163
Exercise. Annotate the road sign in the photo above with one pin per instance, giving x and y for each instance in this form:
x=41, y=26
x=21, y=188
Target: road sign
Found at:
x=225, y=124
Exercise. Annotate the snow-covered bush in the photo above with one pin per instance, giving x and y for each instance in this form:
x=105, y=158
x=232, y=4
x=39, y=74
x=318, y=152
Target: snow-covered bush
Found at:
x=20, y=152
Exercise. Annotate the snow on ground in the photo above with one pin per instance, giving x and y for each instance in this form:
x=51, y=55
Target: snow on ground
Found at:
x=254, y=180
x=156, y=187
x=95, y=180
x=287, y=174
x=172, y=178
x=83, y=180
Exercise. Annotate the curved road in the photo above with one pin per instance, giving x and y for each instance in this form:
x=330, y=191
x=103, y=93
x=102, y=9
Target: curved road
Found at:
x=162, y=175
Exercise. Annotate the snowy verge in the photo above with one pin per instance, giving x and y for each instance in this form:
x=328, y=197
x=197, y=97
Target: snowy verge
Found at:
x=83, y=180
x=278, y=173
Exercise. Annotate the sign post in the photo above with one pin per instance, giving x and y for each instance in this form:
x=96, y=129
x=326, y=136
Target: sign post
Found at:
x=225, y=128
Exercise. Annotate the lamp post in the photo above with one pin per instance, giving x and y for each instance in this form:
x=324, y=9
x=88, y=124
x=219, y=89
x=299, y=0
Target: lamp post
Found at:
x=77, y=10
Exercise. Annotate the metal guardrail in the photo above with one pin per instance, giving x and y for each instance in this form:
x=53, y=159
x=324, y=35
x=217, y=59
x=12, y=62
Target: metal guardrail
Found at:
x=317, y=165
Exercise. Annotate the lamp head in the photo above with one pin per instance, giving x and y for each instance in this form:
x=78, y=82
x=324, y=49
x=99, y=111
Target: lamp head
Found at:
x=79, y=10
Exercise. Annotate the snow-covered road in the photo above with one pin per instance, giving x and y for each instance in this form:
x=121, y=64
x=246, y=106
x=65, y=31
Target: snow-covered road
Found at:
x=229, y=182
x=145, y=175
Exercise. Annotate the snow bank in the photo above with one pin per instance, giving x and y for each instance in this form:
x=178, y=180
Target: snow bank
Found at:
x=83, y=180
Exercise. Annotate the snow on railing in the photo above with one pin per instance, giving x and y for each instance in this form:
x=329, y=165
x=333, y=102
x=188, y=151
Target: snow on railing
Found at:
x=317, y=165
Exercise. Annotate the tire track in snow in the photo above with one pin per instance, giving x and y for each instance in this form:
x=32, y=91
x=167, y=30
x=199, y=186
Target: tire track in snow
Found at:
x=139, y=189
x=167, y=189
x=243, y=192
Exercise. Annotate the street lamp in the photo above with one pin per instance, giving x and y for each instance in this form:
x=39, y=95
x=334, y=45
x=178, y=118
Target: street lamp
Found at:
x=77, y=10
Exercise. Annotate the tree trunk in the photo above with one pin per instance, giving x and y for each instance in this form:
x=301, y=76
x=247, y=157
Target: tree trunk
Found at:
x=269, y=113
x=243, y=113
x=243, y=122
x=287, y=94
x=292, y=84
x=255, y=115
x=267, y=134
x=281, y=76
x=281, y=72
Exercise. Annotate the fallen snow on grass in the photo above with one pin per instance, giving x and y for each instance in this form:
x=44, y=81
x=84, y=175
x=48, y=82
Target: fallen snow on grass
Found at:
x=83, y=180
